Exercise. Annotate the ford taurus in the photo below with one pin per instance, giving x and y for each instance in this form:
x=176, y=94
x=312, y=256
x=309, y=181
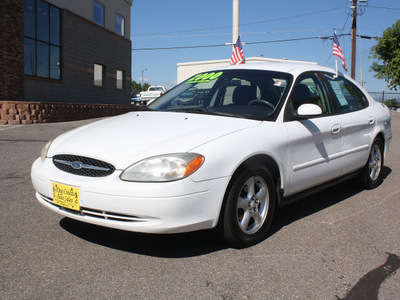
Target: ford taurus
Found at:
x=252, y=138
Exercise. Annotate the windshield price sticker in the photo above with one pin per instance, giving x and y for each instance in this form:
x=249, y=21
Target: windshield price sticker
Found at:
x=204, y=77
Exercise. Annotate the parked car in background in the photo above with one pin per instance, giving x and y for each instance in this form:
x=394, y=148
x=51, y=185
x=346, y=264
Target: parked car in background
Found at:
x=135, y=99
x=262, y=136
x=152, y=93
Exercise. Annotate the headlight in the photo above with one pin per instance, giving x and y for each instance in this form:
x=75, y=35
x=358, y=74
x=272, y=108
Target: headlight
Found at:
x=44, y=151
x=163, y=168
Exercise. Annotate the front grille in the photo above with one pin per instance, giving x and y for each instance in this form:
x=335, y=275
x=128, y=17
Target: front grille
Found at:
x=83, y=166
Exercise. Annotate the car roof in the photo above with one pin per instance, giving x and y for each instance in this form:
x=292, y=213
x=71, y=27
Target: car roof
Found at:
x=292, y=68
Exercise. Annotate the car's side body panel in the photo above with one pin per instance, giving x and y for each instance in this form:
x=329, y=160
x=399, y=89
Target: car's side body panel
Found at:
x=358, y=135
x=315, y=152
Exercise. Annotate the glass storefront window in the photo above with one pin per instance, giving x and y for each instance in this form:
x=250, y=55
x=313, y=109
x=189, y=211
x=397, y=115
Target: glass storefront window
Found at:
x=55, y=65
x=54, y=25
x=29, y=57
x=30, y=18
x=42, y=60
x=42, y=39
x=42, y=19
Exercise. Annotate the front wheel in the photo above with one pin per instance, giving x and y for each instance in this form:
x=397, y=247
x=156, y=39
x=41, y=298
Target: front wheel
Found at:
x=371, y=175
x=249, y=207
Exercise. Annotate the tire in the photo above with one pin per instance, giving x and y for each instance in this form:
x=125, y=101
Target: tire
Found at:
x=248, y=209
x=371, y=175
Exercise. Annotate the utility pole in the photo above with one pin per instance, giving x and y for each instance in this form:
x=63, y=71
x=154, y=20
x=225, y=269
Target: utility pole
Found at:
x=142, y=77
x=235, y=21
x=353, y=40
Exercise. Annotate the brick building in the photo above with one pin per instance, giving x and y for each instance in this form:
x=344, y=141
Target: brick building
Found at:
x=58, y=52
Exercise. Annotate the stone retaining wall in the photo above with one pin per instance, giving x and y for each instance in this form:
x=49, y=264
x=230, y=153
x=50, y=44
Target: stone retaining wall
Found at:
x=17, y=112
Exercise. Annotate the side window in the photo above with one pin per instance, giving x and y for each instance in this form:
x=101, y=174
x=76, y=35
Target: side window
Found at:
x=120, y=24
x=120, y=82
x=99, y=74
x=349, y=97
x=309, y=89
x=98, y=12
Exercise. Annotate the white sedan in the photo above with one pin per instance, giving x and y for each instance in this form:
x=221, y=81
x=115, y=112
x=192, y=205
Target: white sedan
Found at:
x=255, y=137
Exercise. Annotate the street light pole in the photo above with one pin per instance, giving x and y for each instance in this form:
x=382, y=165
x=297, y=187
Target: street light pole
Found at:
x=142, y=77
x=353, y=40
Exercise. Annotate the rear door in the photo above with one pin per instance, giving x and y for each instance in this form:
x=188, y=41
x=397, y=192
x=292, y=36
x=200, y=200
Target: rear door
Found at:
x=358, y=121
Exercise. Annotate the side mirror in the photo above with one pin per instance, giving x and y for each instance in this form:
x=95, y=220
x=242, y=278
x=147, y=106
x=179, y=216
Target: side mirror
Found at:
x=309, y=110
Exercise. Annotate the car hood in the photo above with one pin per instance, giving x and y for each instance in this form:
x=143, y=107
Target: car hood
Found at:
x=126, y=139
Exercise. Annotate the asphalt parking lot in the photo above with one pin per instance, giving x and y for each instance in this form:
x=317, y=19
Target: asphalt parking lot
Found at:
x=343, y=243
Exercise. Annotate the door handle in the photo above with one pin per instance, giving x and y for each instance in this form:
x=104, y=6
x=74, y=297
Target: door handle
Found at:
x=336, y=129
x=371, y=121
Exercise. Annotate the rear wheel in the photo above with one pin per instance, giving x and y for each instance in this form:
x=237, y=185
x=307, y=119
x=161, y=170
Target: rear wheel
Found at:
x=371, y=175
x=249, y=207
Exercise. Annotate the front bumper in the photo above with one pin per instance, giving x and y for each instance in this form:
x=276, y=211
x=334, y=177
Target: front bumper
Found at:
x=172, y=207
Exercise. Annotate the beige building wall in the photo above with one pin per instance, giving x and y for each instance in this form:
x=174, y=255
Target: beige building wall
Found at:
x=188, y=69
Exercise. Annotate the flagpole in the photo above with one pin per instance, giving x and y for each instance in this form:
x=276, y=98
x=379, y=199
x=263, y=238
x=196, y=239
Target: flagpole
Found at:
x=337, y=74
x=235, y=21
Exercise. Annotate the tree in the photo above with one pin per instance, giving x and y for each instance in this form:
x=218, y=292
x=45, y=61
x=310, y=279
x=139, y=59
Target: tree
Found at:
x=136, y=88
x=387, y=51
x=391, y=103
x=145, y=86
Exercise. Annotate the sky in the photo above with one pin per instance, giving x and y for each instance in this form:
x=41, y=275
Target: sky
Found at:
x=187, y=23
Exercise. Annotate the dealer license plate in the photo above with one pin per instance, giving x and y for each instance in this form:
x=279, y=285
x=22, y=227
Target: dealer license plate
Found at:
x=66, y=196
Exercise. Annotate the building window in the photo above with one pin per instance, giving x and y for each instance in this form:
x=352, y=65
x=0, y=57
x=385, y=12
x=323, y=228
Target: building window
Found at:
x=42, y=39
x=120, y=25
x=99, y=74
x=120, y=80
x=98, y=13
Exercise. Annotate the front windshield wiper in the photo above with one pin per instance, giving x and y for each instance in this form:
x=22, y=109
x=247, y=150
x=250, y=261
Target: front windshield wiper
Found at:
x=190, y=110
x=146, y=108
x=197, y=110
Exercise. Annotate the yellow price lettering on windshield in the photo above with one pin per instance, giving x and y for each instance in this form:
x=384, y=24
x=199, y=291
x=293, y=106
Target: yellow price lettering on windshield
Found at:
x=204, y=77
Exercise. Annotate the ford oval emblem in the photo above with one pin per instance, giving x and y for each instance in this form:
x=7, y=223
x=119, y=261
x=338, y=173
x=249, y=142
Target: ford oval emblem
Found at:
x=77, y=165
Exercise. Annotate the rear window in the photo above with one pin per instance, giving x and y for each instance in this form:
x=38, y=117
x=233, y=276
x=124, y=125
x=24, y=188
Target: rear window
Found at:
x=152, y=89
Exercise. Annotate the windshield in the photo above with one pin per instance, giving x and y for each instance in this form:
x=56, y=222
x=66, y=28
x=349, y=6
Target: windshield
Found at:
x=252, y=94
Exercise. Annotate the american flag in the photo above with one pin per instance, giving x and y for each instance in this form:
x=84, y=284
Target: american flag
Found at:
x=237, y=54
x=338, y=51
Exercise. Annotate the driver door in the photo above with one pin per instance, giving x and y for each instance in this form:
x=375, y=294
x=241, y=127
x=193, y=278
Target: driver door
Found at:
x=315, y=142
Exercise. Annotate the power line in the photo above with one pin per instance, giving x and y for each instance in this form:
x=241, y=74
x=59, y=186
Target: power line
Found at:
x=176, y=48
x=246, y=24
x=381, y=7
x=224, y=45
x=223, y=34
